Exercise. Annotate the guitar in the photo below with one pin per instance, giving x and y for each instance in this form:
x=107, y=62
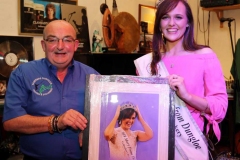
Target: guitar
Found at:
x=79, y=27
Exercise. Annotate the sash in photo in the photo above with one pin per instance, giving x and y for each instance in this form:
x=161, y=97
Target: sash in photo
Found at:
x=126, y=145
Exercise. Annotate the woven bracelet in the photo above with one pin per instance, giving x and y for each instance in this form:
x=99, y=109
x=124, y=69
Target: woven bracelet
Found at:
x=50, y=128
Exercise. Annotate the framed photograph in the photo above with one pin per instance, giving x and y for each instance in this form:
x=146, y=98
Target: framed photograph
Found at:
x=146, y=18
x=77, y=16
x=34, y=15
x=74, y=2
x=129, y=117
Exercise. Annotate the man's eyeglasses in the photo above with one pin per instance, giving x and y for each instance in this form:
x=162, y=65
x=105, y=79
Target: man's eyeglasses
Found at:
x=55, y=40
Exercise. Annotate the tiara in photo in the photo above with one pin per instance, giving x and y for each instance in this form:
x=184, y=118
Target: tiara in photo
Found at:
x=127, y=105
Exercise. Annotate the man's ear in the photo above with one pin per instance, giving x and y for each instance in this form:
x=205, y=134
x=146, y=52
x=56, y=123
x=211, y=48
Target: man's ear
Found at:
x=43, y=45
x=76, y=44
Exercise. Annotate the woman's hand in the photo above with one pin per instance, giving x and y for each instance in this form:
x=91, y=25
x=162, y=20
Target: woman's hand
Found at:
x=117, y=111
x=177, y=84
x=139, y=114
x=109, y=131
x=147, y=133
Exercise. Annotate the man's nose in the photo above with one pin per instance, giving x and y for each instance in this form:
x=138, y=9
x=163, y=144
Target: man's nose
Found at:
x=60, y=44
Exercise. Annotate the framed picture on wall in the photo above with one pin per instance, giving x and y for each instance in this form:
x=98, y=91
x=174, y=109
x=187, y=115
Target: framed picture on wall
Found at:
x=77, y=16
x=120, y=108
x=146, y=14
x=34, y=15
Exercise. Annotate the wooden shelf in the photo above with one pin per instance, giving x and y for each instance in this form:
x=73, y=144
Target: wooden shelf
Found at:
x=219, y=10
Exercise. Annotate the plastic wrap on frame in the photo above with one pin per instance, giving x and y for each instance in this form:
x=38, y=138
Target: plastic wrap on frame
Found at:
x=98, y=107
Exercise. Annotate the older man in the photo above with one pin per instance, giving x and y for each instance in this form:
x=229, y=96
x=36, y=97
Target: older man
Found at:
x=45, y=98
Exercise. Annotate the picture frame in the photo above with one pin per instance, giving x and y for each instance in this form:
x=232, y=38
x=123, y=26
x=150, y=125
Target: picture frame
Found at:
x=33, y=16
x=154, y=100
x=77, y=16
x=146, y=14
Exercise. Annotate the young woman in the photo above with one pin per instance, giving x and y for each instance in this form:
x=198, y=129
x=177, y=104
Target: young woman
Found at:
x=122, y=140
x=194, y=73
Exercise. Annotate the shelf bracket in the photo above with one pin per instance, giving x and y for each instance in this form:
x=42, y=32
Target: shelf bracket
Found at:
x=219, y=15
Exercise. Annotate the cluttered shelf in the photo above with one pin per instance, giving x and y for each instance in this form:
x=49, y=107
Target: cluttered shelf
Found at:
x=219, y=10
x=222, y=8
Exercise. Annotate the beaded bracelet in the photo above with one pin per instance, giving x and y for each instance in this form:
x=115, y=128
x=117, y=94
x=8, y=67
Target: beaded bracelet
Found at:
x=50, y=120
x=52, y=124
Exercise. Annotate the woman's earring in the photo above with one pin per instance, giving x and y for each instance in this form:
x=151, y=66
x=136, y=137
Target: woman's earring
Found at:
x=162, y=36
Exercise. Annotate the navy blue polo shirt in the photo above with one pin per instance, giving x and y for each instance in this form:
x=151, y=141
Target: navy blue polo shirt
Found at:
x=34, y=89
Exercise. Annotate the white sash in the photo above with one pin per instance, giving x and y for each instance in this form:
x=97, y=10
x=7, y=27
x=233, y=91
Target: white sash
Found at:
x=126, y=145
x=190, y=143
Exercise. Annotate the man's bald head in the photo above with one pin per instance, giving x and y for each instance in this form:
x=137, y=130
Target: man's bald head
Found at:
x=58, y=24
